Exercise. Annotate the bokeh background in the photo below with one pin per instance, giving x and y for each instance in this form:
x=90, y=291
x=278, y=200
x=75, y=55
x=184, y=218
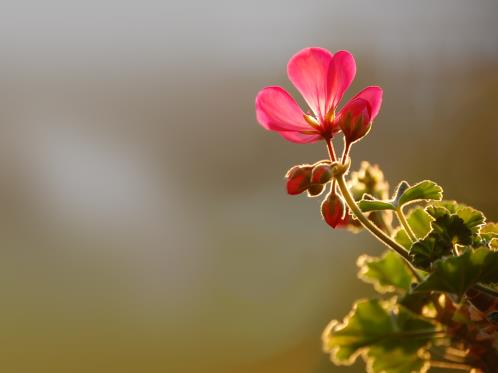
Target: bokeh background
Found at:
x=144, y=225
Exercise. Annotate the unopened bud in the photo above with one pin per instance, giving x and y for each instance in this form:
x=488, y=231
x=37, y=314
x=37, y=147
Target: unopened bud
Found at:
x=321, y=174
x=355, y=120
x=315, y=190
x=333, y=209
x=298, y=179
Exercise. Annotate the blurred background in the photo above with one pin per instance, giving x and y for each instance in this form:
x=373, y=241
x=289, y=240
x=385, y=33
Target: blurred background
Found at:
x=144, y=225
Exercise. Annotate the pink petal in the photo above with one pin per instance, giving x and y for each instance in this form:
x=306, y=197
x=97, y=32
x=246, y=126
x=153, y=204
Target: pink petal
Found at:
x=299, y=137
x=276, y=110
x=373, y=95
x=308, y=71
x=342, y=71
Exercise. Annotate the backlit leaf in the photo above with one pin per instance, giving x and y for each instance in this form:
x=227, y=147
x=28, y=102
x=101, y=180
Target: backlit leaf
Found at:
x=458, y=273
x=425, y=190
x=420, y=222
x=387, y=274
x=367, y=205
x=389, y=338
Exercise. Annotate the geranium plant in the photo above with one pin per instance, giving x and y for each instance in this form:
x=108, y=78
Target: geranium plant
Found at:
x=437, y=302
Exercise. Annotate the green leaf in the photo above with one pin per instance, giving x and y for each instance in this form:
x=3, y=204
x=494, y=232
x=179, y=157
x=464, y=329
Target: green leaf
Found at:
x=488, y=236
x=448, y=229
x=425, y=190
x=472, y=218
x=425, y=252
x=458, y=273
x=452, y=230
x=389, y=338
x=420, y=222
x=367, y=205
x=489, y=231
x=387, y=274
x=415, y=302
x=397, y=359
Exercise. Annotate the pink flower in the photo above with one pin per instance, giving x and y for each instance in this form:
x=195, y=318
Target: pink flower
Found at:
x=322, y=78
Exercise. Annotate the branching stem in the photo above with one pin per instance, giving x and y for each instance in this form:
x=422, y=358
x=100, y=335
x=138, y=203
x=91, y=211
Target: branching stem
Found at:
x=372, y=228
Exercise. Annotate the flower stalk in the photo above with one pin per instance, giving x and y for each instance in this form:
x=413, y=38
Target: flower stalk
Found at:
x=372, y=228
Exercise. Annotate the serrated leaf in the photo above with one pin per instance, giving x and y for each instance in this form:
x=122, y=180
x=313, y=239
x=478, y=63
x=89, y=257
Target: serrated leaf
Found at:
x=367, y=205
x=425, y=190
x=472, y=218
x=493, y=244
x=389, y=338
x=420, y=222
x=489, y=232
x=424, y=252
x=447, y=230
x=452, y=230
x=488, y=236
x=387, y=273
x=458, y=273
x=398, y=360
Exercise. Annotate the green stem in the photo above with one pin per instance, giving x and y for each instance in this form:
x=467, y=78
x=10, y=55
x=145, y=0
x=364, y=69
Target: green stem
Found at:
x=372, y=228
x=404, y=223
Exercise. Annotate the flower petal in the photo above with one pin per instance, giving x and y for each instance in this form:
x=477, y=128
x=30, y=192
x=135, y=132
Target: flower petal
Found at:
x=342, y=71
x=276, y=110
x=308, y=70
x=299, y=138
x=373, y=95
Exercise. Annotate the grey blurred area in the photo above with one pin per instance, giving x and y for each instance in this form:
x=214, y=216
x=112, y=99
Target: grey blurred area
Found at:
x=144, y=225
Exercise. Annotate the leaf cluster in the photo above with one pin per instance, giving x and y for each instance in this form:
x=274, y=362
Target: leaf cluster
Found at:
x=455, y=253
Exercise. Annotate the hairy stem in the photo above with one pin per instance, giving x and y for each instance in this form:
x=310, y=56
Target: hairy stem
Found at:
x=404, y=223
x=372, y=228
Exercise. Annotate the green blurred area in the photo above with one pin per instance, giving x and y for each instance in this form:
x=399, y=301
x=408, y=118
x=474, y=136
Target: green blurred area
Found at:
x=144, y=224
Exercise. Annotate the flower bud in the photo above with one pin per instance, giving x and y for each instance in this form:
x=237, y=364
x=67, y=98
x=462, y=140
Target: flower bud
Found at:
x=321, y=174
x=298, y=179
x=315, y=190
x=355, y=120
x=333, y=209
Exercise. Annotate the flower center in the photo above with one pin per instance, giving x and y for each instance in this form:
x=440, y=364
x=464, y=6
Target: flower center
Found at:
x=324, y=129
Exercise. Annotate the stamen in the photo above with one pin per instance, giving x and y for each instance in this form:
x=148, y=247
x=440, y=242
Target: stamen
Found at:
x=310, y=132
x=329, y=118
x=311, y=120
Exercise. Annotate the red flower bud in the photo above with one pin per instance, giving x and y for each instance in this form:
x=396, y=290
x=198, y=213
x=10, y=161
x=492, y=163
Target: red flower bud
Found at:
x=315, y=190
x=333, y=209
x=321, y=174
x=298, y=179
x=355, y=119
